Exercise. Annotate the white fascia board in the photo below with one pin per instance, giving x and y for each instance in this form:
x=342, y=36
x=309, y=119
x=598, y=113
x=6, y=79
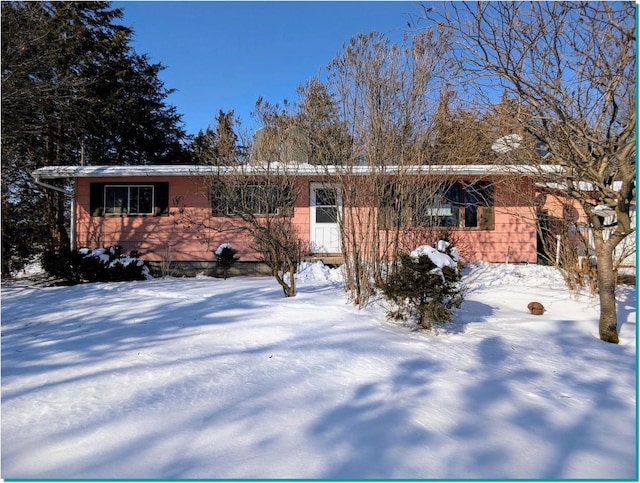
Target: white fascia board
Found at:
x=585, y=186
x=55, y=172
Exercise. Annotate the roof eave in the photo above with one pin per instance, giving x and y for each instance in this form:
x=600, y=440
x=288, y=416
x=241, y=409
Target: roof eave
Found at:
x=56, y=172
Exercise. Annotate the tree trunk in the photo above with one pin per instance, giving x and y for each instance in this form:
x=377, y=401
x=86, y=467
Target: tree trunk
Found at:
x=61, y=234
x=292, y=283
x=58, y=239
x=607, y=291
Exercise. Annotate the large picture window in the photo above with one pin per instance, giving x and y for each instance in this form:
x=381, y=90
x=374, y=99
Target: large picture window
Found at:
x=254, y=199
x=458, y=204
x=122, y=199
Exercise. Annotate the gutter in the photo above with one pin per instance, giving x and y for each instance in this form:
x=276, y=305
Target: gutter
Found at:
x=50, y=186
x=52, y=172
x=72, y=234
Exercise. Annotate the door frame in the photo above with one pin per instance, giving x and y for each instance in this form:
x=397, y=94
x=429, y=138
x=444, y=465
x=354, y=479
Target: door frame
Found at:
x=313, y=186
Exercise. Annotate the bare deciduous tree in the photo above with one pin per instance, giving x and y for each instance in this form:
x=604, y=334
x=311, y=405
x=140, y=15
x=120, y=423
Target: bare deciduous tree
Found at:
x=253, y=200
x=570, y=70
x=258, y=201
x=387, y=95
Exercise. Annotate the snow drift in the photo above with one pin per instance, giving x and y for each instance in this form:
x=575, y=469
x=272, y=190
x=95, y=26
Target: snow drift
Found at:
x=211, y=378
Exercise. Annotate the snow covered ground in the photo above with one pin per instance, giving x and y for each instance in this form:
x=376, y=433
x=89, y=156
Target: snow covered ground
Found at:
x=211, y=378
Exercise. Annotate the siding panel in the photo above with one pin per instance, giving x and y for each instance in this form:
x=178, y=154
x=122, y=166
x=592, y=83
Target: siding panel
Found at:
x=187, y=233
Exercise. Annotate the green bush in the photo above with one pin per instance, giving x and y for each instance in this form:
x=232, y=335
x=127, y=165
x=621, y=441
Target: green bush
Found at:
x=95, y=265
x=226, y=258
x=421, y=290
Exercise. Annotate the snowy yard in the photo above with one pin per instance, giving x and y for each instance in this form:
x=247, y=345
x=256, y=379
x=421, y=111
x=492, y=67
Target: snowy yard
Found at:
x=211, y=378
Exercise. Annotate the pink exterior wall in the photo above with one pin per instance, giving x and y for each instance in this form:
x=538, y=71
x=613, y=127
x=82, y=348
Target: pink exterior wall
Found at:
x=513, y=238
x=188, y=235
x=151, y=235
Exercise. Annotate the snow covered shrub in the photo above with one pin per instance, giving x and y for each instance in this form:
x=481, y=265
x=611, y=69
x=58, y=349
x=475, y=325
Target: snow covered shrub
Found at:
x=226, y=258
x=424, y=286
x=444, y=239
x=95, y=265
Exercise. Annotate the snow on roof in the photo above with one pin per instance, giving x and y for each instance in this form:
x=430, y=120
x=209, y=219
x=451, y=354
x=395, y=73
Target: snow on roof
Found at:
x=579, y=185
x=54, y=172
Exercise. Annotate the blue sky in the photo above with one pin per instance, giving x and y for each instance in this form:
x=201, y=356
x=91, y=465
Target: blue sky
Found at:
x=224, y=55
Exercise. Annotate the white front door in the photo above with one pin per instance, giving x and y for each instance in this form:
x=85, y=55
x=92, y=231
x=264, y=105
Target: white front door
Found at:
x=325, y=212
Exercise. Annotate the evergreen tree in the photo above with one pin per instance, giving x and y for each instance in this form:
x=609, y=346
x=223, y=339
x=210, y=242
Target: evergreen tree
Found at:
x=202, y=147
x=219, y=147
x=318, y=113
x=73, y=92
x=421, y=290
x=226, y=147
